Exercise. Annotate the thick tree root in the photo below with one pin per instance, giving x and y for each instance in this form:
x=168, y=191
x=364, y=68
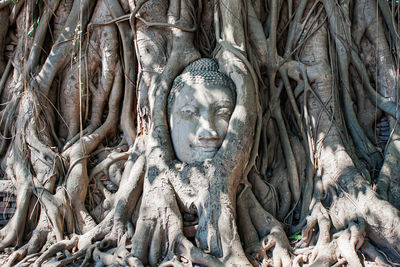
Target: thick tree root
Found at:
x=331, y=53
x=59, y=246
x=260, y=224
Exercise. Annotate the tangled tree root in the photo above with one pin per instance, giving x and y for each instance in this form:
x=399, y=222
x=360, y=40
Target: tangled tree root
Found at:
x=303, y=149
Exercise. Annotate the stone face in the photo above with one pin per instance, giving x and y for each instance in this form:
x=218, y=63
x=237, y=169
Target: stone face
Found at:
x=199, y=114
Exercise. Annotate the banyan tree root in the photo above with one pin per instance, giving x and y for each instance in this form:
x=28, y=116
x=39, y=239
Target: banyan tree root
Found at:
x=307, y=155
x=255, y=222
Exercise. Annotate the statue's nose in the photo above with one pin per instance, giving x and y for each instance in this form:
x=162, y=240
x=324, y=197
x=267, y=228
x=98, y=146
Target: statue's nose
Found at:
x=207, y=130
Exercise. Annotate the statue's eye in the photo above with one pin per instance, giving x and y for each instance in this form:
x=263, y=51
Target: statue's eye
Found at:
x=189, y=111
x=223, y=112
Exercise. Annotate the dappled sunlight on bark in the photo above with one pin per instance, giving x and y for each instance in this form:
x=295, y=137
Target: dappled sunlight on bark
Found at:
x=199, y=133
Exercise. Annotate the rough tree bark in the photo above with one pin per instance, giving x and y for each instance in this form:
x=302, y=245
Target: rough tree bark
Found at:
x=307, y=174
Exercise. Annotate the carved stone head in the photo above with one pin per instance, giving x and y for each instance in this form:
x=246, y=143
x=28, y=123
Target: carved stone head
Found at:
x=200, y=105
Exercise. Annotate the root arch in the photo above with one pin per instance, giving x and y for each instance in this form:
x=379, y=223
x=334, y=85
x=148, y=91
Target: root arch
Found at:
x=306, y=174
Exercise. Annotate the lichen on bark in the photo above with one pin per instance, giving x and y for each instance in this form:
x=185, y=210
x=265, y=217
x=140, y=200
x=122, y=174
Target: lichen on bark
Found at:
x=306, y=172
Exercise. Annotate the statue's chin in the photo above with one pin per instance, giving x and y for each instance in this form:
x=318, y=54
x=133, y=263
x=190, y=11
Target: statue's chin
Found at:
x=200, y=155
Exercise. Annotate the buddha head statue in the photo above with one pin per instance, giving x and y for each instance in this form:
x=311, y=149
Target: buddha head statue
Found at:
x=200, y=105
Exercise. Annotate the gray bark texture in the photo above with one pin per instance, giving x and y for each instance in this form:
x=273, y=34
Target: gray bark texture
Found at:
x=302, y=165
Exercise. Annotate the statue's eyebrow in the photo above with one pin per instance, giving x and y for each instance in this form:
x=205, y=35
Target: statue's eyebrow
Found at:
x=191, y=101
x=224, y=102
x=188, y=105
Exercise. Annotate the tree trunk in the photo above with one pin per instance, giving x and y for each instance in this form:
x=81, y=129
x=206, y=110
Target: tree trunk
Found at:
x=199, y=133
